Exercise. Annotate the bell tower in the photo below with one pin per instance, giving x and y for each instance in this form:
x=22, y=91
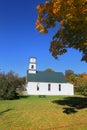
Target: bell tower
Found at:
x=32, y=65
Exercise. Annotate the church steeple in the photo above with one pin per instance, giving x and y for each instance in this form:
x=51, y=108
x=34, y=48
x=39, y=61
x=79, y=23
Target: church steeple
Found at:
x=32, y=65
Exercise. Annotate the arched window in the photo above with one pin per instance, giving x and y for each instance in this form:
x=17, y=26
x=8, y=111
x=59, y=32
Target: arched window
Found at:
x=49, y=87
x=37, y=88
x=59, y=87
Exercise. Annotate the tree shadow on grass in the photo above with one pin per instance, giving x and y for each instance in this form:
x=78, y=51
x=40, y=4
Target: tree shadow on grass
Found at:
x=72, y=104
x=69, y=110
x=5, y=111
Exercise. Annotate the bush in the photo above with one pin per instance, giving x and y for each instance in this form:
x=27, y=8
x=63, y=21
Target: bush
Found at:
x=81, y=90
x=8, y=85
x=7, y=91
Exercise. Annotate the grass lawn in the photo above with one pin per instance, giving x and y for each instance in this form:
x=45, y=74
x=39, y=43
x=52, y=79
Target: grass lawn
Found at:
x=44, y=113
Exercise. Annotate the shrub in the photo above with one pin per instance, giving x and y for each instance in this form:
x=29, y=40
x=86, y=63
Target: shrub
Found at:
x=7, y=90
x=8, y=84
x=81, y=90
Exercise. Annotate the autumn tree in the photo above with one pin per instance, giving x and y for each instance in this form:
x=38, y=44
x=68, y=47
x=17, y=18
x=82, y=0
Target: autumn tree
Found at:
x=69, y=72
x=49, y=70
x=71, y=15
x=81, y=84
x=84, y=76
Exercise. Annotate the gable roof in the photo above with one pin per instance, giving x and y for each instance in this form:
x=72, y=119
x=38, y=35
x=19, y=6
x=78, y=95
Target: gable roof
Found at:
x=42, y=76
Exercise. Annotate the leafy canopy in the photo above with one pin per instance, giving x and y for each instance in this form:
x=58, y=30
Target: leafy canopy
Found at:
x=72, y=18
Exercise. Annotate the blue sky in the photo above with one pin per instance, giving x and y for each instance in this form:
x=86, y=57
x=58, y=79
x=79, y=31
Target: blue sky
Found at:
x=19, y=40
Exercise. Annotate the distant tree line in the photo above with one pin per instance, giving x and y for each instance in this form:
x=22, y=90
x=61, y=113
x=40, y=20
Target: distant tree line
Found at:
x=11, y=85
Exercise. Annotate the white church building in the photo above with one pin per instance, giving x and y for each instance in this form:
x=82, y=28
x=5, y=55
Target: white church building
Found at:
x=46, y=83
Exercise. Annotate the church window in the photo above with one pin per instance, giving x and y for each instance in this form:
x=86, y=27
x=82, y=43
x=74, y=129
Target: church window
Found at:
x=37, y=88
x=49, y=87
x=59, y=87
x=32, y=66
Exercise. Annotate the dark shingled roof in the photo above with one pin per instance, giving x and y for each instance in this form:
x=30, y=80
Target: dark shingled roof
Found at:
x=42, y=76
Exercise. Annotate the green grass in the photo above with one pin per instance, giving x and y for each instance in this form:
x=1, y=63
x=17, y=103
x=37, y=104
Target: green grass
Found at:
x=44, y=113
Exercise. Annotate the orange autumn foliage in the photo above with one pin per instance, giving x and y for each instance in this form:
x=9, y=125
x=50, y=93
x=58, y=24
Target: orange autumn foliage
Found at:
x=71, y=15
x=84, y=76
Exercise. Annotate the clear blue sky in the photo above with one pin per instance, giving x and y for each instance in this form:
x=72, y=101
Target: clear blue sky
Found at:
x=19, y=40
